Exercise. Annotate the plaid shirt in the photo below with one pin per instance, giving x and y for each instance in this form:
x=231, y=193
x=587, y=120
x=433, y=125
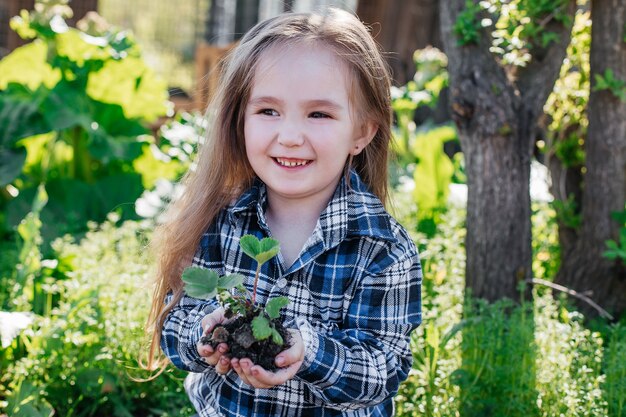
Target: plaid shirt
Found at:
x=355, y=297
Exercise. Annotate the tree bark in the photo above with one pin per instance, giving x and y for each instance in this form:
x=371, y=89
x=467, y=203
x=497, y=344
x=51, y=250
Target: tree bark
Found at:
x=401, y=27
x=496, y=115
x=583, y=268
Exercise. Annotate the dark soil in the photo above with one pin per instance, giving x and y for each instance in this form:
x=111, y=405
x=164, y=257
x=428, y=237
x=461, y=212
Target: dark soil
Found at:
x=237, y=334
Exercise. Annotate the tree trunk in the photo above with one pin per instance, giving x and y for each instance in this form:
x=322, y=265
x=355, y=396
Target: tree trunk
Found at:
x=401, y=27
x=496, y=119
x=604, y=190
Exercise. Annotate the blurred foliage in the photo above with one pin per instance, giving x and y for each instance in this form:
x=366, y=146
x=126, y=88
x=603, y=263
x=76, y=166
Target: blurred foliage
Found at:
x=504, y=359
x=167, y=31
x=517, y=27
x=607, y=81
x=75, y=109
x=179, y=139
x=490, y=382
x=545, y=241
x=80, y=355
x=422, y=165
x=617, y=249
x=566, y=106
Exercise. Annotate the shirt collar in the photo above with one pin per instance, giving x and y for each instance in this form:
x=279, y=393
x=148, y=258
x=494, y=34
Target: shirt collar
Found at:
x=352, y=211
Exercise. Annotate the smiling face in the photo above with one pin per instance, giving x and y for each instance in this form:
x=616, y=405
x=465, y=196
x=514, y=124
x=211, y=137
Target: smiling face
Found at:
x=299, y=123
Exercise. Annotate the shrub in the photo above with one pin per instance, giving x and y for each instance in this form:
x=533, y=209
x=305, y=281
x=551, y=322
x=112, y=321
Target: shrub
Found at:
x=474, y=359
x=75, y=112
x=81, y=357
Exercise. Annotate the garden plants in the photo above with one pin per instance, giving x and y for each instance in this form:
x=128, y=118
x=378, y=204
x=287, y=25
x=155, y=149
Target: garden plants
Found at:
x=77, y=106
x=252, y=331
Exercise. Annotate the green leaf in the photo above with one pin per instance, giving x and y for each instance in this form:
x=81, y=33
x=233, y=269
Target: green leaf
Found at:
x=261, y=328
x=71, y=204
x=130, y=83
x=11, y=163
x=250, y=245
x=433, y=173
x=273, y=306
x=27, y=65
x=276, y=337
x=230, y=281
x=107, y=149
x=269, y=248
x=116, y=192
x=67, y=106
x=262, y=250
x=20, y=116
x=200, y=282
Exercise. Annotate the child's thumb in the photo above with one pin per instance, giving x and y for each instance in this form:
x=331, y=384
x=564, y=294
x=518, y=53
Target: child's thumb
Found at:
x=213, y=319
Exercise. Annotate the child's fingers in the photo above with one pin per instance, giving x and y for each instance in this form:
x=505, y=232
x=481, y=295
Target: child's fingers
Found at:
x=213, y=319
x=236, y=365
x=223, y=365
x=212, y=356
x=252, y=374
x=261, y=378
x=204, y=350
x=294, y=354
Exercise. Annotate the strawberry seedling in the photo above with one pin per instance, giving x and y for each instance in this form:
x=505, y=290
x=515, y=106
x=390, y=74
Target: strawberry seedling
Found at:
x=253, y=331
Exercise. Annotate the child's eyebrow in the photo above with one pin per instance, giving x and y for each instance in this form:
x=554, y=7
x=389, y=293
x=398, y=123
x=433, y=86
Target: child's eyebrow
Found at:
x=264, y=100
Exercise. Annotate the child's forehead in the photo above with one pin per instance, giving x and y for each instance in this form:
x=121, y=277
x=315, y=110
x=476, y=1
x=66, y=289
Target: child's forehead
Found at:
x=300, y=52
x=305, y=62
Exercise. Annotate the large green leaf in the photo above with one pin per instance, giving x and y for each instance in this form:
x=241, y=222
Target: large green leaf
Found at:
x=106, y=148
x=227, y=282
x=70, y=206
x=117, y=192
x=200, y=282
x=434, y=169
x=261, y=328
x=27, y=65
x=113, y=136
x=67, y=106
x=73, y=45
x=72, y=203
x=11, y=163
x=131, y=84
x=20, y=116
x=111, y=118
x=273, y=306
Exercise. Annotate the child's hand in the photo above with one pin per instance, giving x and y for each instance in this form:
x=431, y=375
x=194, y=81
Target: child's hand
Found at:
x=214, y=357
x=289, y=360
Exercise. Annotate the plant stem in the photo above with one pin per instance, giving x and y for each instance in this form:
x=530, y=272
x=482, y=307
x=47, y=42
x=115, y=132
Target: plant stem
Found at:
x=82, y=159
x=256, y=281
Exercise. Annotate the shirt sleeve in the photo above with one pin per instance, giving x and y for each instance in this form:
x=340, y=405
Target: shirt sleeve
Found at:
x=182, y=330
x=363, y=363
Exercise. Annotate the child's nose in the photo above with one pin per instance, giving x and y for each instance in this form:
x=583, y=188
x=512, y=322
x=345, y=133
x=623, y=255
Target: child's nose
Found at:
x=289, y=134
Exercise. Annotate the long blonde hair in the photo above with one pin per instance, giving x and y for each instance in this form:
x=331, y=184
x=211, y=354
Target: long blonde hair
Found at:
x=223, y=172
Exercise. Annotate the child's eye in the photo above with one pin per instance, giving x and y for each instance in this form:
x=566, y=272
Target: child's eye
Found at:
x=319, y=115
x=268, y=112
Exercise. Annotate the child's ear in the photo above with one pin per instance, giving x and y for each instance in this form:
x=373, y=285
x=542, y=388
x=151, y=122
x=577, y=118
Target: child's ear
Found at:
x=364, y=137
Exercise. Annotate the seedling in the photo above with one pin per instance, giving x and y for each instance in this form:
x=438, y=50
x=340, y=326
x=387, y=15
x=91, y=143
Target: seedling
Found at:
x=254, y=331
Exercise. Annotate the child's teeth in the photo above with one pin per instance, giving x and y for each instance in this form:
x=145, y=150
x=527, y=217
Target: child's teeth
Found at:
x=291, y=163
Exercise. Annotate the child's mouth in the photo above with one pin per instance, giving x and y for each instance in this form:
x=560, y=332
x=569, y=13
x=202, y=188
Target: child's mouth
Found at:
x=292, y=162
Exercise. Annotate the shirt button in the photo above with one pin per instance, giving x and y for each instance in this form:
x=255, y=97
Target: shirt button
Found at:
x=281, y=283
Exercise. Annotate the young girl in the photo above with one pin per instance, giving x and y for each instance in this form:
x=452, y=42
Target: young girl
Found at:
x=298, y=151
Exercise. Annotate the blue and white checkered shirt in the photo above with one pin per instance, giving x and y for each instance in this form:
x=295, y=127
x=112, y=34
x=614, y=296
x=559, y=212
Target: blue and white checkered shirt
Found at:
x=355, y=297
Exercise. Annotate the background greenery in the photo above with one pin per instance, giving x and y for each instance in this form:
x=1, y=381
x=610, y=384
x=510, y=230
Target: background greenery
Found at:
x=75, y=273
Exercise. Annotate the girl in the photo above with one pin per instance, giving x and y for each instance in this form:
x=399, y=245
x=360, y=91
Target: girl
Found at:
x=298, y=151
